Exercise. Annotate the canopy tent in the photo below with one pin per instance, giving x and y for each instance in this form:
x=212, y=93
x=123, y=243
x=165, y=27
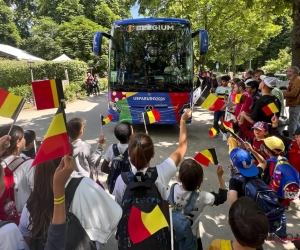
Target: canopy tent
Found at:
x=15, y=53
x=63, y=57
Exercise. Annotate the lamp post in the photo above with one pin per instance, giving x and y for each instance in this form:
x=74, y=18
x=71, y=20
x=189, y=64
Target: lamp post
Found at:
x=30, y=64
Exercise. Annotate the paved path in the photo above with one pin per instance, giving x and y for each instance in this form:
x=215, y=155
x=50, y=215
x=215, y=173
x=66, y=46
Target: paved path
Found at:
x=214, y=220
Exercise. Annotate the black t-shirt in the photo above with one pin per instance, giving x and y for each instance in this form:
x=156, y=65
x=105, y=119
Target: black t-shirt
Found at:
x=237, y=185
x=258, y=115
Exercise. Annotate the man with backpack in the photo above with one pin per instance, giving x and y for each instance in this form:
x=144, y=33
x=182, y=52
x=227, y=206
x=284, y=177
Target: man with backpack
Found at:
x=247, y=182
x=117, y=155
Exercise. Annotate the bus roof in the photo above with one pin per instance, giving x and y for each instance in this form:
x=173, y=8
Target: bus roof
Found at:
x=151, y=21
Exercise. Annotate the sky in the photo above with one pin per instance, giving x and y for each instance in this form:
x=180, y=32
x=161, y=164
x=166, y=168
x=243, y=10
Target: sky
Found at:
x=134, y=11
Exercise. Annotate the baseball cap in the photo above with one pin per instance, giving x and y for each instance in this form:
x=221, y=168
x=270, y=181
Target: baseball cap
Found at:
x=242, y=160
x=297, y=132
x=269, y=81
x=275, y=144
x=261, y=126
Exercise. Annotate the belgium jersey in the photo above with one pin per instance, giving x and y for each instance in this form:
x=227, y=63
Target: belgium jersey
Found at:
x=222, y=91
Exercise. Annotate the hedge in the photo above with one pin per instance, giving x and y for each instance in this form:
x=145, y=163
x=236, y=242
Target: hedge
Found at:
x=17, y=73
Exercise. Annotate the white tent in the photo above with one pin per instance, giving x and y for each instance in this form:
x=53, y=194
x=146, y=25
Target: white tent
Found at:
x=14, y=53
x=63, y=57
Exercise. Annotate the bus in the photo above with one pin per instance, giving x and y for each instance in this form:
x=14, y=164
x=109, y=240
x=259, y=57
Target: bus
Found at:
x=150, y=66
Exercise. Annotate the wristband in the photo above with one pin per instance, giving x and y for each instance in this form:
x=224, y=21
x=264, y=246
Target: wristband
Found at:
x=183, y=121
x=59, y=199
x=59, y=202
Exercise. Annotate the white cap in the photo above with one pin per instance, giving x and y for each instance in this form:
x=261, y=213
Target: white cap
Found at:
x=269, y=81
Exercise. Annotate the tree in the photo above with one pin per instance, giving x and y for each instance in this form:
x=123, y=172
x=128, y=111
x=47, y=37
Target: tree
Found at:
x=67, y=9
x=76, y=39
x=9, y=33
x=42, y=41
x=281, y=64
x=235, y=33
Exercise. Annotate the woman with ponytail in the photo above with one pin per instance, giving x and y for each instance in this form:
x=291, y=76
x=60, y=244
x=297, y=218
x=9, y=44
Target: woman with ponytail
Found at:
x=141, y=151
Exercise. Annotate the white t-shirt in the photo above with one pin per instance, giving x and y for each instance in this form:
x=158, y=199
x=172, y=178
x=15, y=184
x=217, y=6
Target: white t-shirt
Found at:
x=181, y=197
x=109, y=155
x=98, y=213
x=165, y=171
x=11, y=238
x=23, y=178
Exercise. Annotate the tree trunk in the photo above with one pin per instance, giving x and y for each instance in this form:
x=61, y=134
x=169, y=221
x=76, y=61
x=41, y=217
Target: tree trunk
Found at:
x=296, y=34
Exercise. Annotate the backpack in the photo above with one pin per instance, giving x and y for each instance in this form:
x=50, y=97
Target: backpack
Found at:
x=145, y=220
x=77, y=238
x=8, y=210
x=119, y=164
x=259, y=191
x=285, y=180
x=184, y=237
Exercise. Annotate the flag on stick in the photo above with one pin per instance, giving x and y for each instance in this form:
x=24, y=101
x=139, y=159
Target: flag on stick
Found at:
x=207, y=156
x=152, y=116
x=196, y=95
x=56, y=141
x=47, y=93
x=142, y=225
x=227, y=125
x=10, y=104
x=107, y=119
x=236, y=98
x=210, y=101
x=234, y=135
x=212, y=132
x=270, y=109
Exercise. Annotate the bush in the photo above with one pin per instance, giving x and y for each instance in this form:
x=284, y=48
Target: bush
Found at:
x=15, y=73
x=103, y=84
x=24, y=91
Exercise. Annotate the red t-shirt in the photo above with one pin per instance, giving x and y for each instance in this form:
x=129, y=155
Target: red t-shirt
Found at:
x=294, y=156
x=246, y=100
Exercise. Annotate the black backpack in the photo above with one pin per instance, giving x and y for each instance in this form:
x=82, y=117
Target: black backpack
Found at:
x=145, y=220
x=118, y=165
x=77, y=238
x=267, y=199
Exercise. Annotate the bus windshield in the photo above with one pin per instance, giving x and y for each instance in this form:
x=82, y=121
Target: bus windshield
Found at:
x=151, y=58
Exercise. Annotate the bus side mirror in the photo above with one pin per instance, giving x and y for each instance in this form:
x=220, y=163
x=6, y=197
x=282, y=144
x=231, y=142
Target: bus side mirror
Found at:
x=203, y=41
x=97, y=44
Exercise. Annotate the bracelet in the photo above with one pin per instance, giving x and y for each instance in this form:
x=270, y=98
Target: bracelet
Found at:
x=59, y=202
x=59, y=199
x=183, y=121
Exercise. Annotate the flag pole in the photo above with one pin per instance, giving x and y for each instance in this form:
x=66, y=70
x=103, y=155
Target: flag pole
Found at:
x=101, y=124
x=171, y=227
x=16, y=117
x=198, y=98
x=145, y=123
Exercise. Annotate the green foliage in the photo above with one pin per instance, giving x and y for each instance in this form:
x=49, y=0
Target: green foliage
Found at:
x=9, y=33
x=281, y=64
x=17, y=73
x=103, y=84
x=24, y=91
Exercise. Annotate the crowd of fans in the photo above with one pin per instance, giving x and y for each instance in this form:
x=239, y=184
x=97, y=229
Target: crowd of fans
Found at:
x=48, y=201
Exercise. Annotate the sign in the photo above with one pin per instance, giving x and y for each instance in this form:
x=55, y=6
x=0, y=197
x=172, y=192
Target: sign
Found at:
x=204, y=41
x=96, y=43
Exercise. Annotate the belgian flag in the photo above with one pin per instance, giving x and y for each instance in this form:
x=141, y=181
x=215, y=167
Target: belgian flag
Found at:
x=10, y=104
x=47, y=93
x=212, y=132
x=236, y=98
x=207, y=156
x=152, y=116
x=227, y=125
x=107, y=119
x=270, y=109
x=56, y=141
x=209, y=101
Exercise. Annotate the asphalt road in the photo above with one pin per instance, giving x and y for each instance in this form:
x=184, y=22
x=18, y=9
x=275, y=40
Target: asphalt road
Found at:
x=214, y=219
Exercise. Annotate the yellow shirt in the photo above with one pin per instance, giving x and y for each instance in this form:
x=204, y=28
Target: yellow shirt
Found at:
x=219, y=244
